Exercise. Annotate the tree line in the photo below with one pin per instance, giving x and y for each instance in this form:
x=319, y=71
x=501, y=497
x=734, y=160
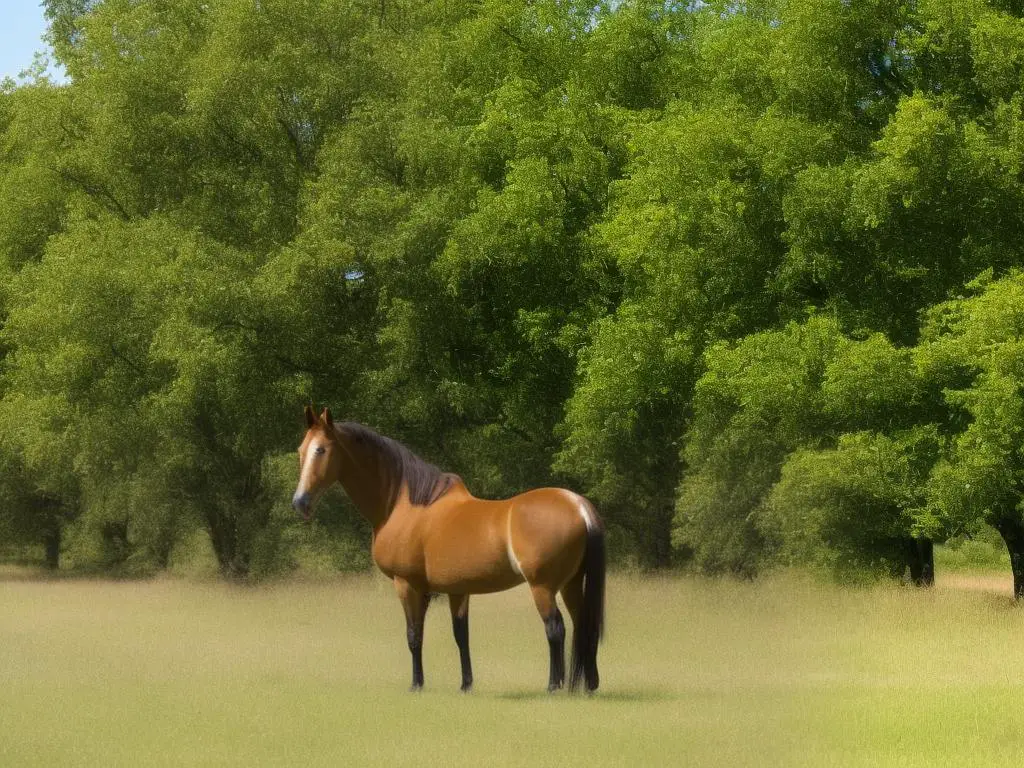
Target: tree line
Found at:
x=748, y=274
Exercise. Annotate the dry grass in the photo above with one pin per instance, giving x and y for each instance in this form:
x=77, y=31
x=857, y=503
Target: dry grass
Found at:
x=783, y=672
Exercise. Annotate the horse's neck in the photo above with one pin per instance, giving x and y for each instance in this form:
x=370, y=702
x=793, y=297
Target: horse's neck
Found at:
x=366, y=484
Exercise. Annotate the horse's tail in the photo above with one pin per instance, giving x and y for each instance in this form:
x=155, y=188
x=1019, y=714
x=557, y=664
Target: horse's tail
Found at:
x=587, y=633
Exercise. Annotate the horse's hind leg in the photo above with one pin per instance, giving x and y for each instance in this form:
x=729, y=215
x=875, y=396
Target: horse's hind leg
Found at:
x=582, y=665
x=554, y=628
x=460, y=627
x=414, y=603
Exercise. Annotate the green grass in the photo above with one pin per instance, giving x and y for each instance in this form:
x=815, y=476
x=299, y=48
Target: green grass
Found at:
x=782, y=672
x=984, y=553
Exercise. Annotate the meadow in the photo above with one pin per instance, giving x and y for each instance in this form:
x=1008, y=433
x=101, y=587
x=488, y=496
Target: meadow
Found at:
x=786, y=671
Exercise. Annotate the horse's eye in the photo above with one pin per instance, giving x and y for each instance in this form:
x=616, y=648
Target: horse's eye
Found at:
x=320, y=450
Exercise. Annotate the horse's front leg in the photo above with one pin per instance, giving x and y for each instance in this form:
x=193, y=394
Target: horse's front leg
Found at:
x=414, y=603
x=460, y=627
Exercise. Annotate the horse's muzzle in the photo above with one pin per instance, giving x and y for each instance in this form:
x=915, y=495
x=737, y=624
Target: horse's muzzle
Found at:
x=302, y=504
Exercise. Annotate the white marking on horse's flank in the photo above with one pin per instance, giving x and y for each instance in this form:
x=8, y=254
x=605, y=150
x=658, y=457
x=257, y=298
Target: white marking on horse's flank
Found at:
x=584, y=510
x=512, y=559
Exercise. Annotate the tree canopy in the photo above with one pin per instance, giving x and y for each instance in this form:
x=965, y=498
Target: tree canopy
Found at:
x=747, y=274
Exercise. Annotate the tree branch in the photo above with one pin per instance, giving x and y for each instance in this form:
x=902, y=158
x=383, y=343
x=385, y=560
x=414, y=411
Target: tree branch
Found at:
x=94, y=190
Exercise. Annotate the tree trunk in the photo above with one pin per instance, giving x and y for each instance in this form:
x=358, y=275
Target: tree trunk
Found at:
x=223, y=529
x=223, y=540
x=927, y=550
x=920, y=555
x=163, y=546
x=116, y=546
x=51, y=543
x=1011, y=528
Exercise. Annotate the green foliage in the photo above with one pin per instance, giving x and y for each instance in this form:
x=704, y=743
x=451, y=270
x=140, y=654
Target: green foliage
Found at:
x=852, y=508
x=705, y=262
x=809, y=446
x=759, y=400
x=974, y=346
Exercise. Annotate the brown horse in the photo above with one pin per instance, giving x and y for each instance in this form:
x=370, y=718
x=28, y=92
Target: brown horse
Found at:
x=430, y=535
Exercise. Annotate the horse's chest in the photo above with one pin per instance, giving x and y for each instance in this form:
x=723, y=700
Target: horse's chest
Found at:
x=397, y=549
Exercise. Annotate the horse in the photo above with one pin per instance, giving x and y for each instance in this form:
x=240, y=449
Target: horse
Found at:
x=431, y=536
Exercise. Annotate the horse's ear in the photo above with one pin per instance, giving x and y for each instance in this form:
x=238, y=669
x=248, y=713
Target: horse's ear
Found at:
x=325, y=417
x=310, y=416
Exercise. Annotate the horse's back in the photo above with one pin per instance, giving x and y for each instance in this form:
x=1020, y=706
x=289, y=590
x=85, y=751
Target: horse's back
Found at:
x=464, y=545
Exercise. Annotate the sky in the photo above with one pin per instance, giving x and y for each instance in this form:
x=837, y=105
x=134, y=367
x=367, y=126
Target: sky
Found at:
x=21, y=33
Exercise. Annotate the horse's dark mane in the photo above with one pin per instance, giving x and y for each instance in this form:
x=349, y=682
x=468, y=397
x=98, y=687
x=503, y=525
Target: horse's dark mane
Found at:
x=426, y=482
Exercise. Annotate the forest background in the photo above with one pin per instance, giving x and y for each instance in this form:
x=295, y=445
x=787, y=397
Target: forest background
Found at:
x=748, y=274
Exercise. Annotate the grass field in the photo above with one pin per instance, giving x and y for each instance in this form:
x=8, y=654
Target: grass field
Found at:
x=694, y=672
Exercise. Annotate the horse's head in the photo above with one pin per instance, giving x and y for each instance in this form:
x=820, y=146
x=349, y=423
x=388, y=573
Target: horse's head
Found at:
x=318, y=461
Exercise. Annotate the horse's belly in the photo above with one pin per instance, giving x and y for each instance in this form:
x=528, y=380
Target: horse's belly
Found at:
x=469, y=558
x=456, y=579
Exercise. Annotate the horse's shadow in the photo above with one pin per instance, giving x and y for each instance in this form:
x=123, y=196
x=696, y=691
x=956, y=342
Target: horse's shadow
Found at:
x=614, y=695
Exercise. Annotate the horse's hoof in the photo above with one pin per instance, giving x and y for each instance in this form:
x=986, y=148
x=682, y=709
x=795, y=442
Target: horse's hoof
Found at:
x=466, y=688
x=415, y=687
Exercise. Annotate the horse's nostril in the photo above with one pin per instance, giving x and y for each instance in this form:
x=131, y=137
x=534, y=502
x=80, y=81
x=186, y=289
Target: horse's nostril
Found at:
x=300, y=502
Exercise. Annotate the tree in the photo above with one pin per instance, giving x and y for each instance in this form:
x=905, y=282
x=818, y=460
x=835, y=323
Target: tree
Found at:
x=675, y=256
x=972, y=347
x=464, y=198
x=153, y=325
x=811, y=446
x=758, y=401
x=857, y=507
x=700, y=229
x=155, y=365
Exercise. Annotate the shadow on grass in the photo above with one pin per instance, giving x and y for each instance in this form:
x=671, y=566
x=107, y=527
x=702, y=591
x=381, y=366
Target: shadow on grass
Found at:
x=615, y=694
